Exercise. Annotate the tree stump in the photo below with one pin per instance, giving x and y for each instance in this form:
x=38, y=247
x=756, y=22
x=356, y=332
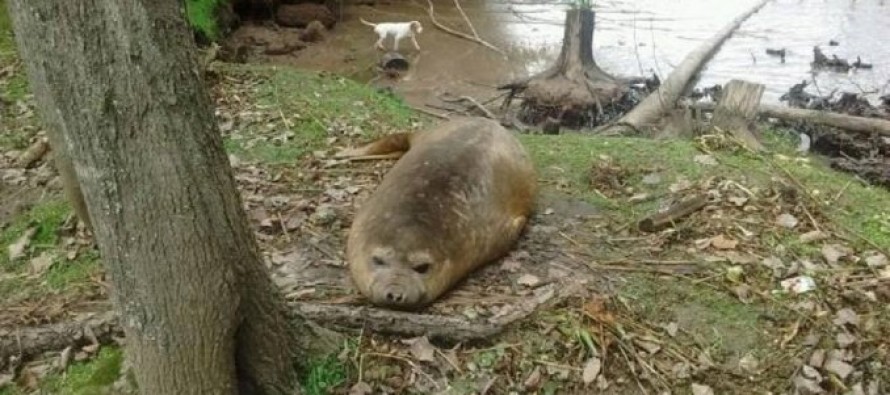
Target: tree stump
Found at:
x=737, y=110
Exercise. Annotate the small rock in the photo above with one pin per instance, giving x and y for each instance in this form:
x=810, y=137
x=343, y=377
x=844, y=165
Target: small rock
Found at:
x=723, y=243
x=672, y=329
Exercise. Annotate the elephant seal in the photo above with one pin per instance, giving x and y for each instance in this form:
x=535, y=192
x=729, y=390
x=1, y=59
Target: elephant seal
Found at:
x=457, y=199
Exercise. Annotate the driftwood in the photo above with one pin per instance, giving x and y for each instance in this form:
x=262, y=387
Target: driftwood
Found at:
x=737, y=110
x=20, y=344
x=432, y=14
x=23, y=343
x=651, y=109
x=826, y=118
x=674, y=214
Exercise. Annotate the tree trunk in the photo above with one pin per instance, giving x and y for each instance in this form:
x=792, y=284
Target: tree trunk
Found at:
x=574, y=90
x=119, y=83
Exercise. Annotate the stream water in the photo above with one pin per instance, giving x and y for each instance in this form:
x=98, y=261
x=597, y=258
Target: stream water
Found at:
x=632, y=38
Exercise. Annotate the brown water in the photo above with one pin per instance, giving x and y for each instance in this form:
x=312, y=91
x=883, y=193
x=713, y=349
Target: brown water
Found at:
x=632, y=38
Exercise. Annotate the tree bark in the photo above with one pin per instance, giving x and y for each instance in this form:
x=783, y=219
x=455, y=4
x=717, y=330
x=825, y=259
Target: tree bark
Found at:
x=119, y=83
x=737, y=110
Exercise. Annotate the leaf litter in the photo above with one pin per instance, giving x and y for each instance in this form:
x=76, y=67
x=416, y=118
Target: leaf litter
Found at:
x=300, y=212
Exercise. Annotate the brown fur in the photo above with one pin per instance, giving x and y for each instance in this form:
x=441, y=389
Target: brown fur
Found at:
x=456, y=200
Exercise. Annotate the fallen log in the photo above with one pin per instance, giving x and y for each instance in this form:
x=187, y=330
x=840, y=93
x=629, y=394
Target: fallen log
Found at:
x=19, y=344
x=658, y=103
x=841, y=121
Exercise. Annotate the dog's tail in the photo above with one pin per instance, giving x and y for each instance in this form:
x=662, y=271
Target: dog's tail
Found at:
x=367, y=23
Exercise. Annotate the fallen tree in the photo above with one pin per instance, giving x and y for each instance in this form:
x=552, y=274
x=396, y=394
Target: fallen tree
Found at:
x=826, y=118
x=574, y=91
x=658, y=103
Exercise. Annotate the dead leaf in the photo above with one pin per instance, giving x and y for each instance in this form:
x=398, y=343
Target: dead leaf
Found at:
x=846, y=316
x=876, y=260
x=701, y=244
x=700, y=389
x=735, y=273
x=422, y=349
x=817, y=358
x=838, y=367
x=91, y=349
x=649, y=344
x=706, y=160
x=844, y=340
x=41, y=264
x=596, y=309
x=813, y=235
x=651, y=179
x=591, y=370
x=528, y=280
x=672, y=329
x=834, y=252
x=738, y=201
x=511, y=265
x=723, y=243
x=743, y=292
x=807, y=386
x=361, y=388
x=787, y=221
x=775, y=264
x=533, y=381
x=17, y=248
x=28, y=380
x=749, y=363
x=680, y=185
x=64, y=359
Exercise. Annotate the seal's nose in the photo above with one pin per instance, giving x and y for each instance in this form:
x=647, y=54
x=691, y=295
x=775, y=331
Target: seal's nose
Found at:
x=395, y=296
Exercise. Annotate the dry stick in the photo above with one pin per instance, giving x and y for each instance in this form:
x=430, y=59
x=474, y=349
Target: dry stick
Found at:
x=453, y=32
x=428, y=112
x=675, y=213
x=651, y=109
x=466, y=19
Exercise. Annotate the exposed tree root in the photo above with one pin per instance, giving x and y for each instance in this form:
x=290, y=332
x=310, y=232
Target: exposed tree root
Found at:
x=574, y=91
x=658, y=103
x=21, y=344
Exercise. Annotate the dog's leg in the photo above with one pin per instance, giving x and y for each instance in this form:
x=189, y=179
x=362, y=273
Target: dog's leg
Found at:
x=414, y=40
x=379, y=43
x=395, y=43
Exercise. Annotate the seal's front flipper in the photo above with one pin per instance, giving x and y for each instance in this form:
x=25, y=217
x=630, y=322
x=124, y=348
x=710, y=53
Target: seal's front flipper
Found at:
x=392, y=146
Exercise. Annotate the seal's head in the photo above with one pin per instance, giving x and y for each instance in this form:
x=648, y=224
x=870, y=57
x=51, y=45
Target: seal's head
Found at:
x=395, y=279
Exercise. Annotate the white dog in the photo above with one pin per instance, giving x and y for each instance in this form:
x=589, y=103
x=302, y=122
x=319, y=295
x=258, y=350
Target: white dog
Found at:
x=398, y=30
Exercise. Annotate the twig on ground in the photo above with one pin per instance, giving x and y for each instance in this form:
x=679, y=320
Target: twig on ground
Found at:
x=675, y=213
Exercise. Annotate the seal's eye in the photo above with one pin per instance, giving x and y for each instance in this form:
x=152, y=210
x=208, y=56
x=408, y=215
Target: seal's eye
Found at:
x=378, y=261
x=422, y=268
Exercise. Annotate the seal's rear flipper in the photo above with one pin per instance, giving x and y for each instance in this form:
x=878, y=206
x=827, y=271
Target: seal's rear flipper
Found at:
x=392, y=146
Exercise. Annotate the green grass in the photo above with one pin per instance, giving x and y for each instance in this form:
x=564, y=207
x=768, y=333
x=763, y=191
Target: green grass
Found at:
x=46, y=217
x=324, y=374
x=313, y=103
x=15, y=87
x=89, y=378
